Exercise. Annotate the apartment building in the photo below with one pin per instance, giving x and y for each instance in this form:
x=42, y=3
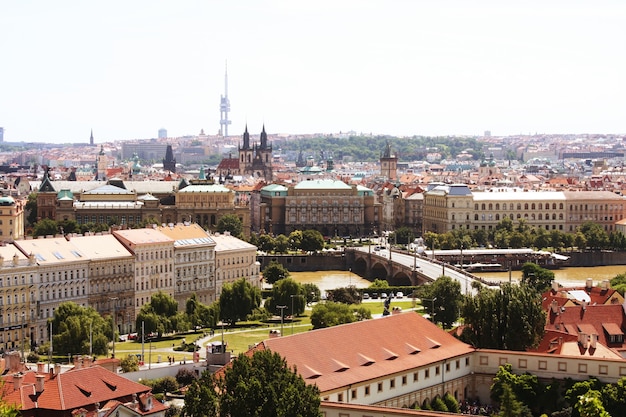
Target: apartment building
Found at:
x=454, y=206
x=235, y=259
x=19, y=276
x=194, y=263
x=111, y=278
x=11, y=218
x=63, y=276
x=154, y=262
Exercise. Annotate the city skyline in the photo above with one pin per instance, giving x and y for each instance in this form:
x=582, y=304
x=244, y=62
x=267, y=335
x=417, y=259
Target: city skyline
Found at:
x=400, y=68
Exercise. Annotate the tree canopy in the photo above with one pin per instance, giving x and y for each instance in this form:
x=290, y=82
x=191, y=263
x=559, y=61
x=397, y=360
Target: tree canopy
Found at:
x=71, y=327
x=330, y=314
x=230, y=223
x=238, y=300
x=161, y=315
x=537, y=277
x=287, y=292
x=274, y=271
x=446, y=293
x=262, y=385
x=510, y=317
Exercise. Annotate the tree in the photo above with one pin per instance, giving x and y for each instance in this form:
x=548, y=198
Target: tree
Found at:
x=590, y=405
x=282, y=244
x=274, y=271
x=160, y=315
x=72, y=325
x=345, y=295
x=510, y=318
x=312, y=292
x=230, y=223
x=129, y=364
x=266, y=243
x=45, y=227
x=379, y=284
x=312, y=241
x=287, y=292
x=238, y=300
x=262, y=385
x=31, y=209
x=596, y=236
x=295, y=240
x=509, y=406
x=201, y=397
x=537, y=277
x=525, y=388
x=331, y=314
x=403, y=235
x=201, y=315
x=446, y=293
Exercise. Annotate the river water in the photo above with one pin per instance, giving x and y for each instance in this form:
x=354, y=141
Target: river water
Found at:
x=328, y=280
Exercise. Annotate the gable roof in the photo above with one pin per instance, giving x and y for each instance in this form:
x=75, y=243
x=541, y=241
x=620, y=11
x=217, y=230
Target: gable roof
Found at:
x=70, y=390
x=339, y=356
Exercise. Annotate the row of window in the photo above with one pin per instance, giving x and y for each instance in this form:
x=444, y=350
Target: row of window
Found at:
x=391, y=383
x=102, y=219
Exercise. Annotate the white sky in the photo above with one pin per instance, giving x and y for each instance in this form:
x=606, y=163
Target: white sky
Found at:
x=127, y=68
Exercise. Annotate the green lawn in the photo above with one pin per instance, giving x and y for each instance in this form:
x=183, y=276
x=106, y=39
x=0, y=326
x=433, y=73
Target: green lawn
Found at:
x=239, y=339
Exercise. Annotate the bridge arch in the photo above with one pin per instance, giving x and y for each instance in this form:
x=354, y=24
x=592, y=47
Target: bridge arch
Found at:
x=378, y=271
x=400, y=279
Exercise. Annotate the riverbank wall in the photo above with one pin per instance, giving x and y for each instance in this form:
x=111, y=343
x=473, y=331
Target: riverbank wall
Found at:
x=595, y=258
x=306, y=263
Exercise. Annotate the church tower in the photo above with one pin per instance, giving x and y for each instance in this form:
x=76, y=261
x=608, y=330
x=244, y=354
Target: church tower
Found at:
x=388, y=163
x=169, y=162
x=246, y=154
x=101, y=165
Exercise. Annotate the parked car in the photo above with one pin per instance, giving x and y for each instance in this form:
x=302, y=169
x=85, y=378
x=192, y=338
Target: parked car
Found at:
x=374, y=295
x=366, y=296
x=399, y=294
x=383, y=295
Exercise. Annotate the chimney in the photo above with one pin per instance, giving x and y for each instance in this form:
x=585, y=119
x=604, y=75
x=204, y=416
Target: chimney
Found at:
x=41, y=367
x=57, y=369
x=77, y=362
x=554, y=306
x=594, y=340
x=555, y=286
x=39, y=384
x=589, y=283
x=17, y=380
x=606, y=284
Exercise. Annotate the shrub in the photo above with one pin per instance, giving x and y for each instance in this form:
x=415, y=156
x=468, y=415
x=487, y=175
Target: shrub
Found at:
x=185, y=377
x=129, y=364
x=32, y=357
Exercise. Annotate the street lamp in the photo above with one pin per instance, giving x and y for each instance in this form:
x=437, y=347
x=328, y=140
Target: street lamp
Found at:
x=23, y=317
x=113, y=323
x=281, y=308
x=292, y=313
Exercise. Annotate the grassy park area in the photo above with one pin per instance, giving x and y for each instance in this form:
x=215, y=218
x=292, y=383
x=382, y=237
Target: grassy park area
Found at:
x=238, y=339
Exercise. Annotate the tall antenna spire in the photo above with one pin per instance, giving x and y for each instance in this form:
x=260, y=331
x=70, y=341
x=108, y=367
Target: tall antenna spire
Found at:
x=224, y=106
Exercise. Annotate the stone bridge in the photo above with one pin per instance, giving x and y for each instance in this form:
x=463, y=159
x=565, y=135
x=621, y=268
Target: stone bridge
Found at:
x=373, y=265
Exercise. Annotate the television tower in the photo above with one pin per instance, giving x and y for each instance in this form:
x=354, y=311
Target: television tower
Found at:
x=224, y=106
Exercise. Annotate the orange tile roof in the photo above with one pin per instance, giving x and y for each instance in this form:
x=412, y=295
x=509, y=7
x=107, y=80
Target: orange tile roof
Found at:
x=70, y=390
x=338, y=356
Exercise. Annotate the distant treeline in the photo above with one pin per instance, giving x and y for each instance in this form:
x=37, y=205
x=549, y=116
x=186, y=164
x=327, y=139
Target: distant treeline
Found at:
x=370, y=148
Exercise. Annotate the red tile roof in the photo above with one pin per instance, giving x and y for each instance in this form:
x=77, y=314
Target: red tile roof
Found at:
x=338, y=356
x=70, y=390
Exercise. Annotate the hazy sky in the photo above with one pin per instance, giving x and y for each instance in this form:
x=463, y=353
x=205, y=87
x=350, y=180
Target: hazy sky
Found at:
x=128, y=68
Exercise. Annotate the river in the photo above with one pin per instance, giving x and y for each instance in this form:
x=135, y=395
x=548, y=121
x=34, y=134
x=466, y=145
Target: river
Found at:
x=328, y=280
